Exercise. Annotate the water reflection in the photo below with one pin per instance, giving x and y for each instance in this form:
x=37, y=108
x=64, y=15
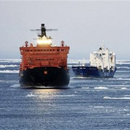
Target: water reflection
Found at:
x=45, y=93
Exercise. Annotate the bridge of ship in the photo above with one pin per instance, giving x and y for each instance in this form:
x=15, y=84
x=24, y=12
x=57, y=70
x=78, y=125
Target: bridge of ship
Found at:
x=54, y=56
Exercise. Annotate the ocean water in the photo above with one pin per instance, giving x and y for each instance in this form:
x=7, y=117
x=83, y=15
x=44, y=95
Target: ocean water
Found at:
x=87, y=103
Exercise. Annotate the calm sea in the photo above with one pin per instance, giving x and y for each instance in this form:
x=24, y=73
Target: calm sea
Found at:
x=87, y=104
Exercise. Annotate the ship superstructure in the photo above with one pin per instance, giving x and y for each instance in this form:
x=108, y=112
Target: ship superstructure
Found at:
x=102, y=64
x=44, y=64
x=103, y=59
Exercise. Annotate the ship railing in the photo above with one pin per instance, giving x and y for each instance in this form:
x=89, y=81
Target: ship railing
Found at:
x=43, y=50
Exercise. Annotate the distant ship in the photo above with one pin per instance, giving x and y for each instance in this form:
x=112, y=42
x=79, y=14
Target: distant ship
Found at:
x=102, y=64
x=44, y=64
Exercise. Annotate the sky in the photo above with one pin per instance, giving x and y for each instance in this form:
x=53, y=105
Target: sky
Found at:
x=83, y=25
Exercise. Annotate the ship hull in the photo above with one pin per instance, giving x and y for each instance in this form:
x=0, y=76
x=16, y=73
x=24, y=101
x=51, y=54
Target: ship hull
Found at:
x=44, y=76
x=86, y=71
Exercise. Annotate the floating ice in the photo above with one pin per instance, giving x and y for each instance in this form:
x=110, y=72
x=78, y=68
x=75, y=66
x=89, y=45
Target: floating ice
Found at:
x=9, y=71
x=30, y=95
x=124, y=88
x=10, y=60
x=5, y=66
x=15, y=85
x=122, y=98
x=100, y=88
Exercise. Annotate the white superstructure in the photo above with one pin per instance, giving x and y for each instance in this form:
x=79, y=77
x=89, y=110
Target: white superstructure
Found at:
x=103, y=59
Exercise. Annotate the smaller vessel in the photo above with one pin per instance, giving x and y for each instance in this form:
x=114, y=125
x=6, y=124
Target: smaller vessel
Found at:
x=102, y=64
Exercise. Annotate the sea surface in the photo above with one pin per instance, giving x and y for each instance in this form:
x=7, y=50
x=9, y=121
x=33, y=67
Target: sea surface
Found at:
x=87, y=103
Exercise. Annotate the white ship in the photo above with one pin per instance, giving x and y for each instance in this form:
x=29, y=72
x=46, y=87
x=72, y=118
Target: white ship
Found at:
x=102, y=64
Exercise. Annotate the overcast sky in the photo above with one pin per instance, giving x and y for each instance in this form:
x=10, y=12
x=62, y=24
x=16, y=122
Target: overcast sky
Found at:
x=83, y=25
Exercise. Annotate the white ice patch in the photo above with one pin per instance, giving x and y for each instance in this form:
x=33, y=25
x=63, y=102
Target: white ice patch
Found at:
x=120, y=78
x=5, y=66
x=128, y=114
x=30, y=95
x=10, y=60
x=98, y=107
x=124, y=88
x=9, y=71
x=123, y=67
x=123, y=62
x=15, y=86
x=101, y=88
x=118, y=98
x=122, y=71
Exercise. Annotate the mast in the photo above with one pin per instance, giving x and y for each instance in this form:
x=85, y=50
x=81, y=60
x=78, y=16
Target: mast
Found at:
x=43, y=30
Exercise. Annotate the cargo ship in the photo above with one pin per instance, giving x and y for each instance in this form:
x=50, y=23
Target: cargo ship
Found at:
x=102, y=65
x=44, y=64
